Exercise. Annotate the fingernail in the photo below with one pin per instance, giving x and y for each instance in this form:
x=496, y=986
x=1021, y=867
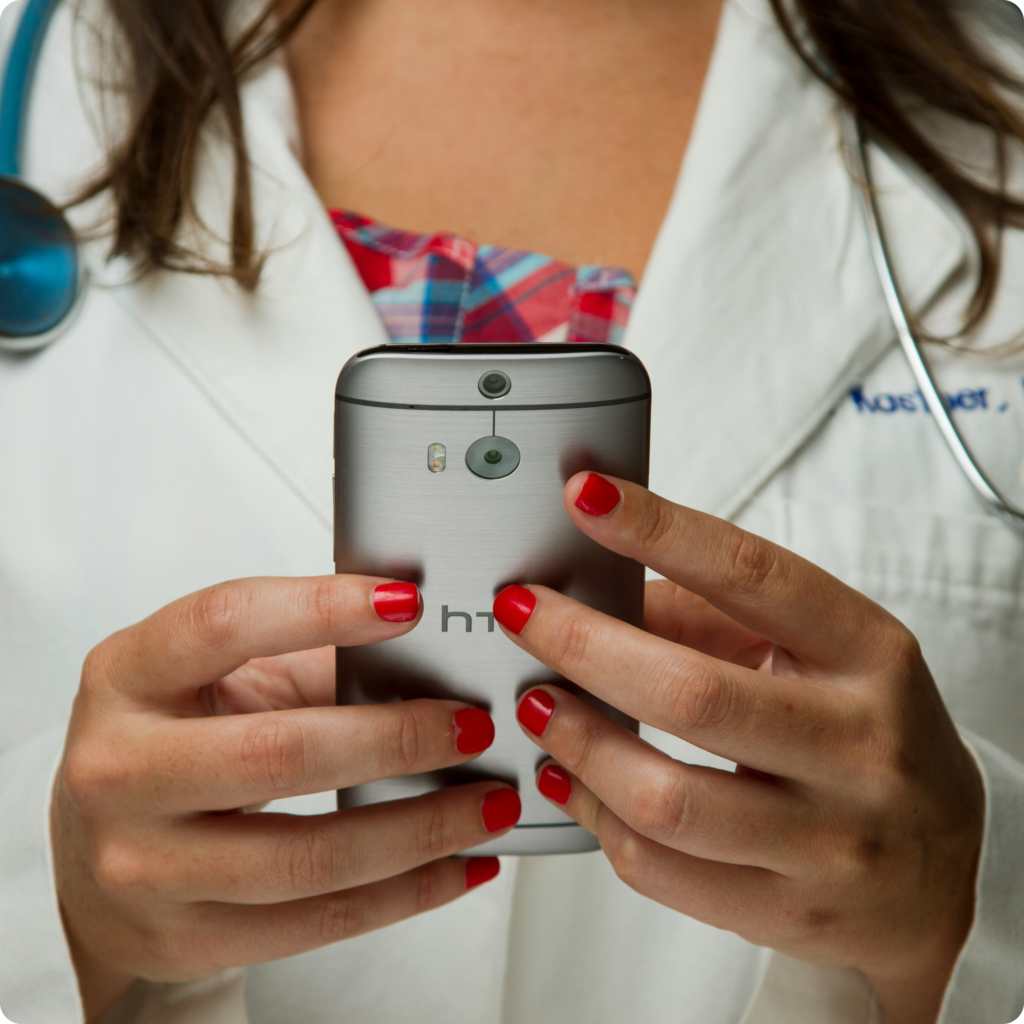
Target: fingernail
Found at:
x=474, y=730
x=500, y=809
x=598, y=496
x=513, y=608
x=480, y=870
x=555, y=784
x=396, y=602
x=535, y=711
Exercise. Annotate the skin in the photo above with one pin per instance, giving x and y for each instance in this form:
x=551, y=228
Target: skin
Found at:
x=850, y=833
x=221, y=701
x=557, y=126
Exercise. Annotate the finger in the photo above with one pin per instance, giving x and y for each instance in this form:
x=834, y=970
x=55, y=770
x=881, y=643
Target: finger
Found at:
x=200, y=638
x=568, y=792
x=736, y=898
x=704, y=812
x=274, y=858
x=228, y=935
x=676, y=614
x=766, y=588
x=175, y=766
x=303, y=679
x=782, y=726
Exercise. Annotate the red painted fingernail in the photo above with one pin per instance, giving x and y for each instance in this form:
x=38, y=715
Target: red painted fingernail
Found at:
x=535, y=711
x=480, y=870
x=598, y=496
x=500, y=809
x=513, y=608
x=555, y=784
x=474, y=730
x=396, y=602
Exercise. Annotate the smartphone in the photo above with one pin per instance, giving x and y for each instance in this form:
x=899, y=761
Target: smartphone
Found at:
x=450, y=461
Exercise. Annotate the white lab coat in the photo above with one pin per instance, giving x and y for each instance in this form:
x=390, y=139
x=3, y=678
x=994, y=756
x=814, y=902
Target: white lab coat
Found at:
x=180, y=434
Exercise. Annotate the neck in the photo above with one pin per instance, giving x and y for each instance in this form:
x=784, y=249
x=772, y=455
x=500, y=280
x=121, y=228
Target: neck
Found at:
x=556, y=126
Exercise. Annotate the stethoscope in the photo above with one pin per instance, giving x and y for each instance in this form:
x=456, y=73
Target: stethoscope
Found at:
x=42, y=278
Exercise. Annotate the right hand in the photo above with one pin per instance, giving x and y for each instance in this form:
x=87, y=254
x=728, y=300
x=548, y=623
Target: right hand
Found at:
x=176, y=727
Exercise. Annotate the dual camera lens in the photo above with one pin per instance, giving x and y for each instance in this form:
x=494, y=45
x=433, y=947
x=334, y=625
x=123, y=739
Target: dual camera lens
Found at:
x=489, y=457
x=493, y=457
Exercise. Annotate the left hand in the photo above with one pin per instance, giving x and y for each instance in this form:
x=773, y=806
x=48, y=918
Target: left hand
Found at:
x=849, y=834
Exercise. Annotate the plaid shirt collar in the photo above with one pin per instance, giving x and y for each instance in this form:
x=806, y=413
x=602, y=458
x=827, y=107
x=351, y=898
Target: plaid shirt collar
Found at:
x=442, y=288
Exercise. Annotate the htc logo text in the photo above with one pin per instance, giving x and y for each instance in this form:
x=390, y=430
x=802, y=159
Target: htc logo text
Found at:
x=467, y=619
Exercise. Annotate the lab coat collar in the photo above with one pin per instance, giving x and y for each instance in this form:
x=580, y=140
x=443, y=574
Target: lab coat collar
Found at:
x=269, y=361
x=759, y=306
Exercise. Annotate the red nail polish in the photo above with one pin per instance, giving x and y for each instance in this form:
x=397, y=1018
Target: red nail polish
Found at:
x=480, y=870
x=535, y=711
x=396, y=602
x=598, y=496
x=500, y=809
x=474, y=730
x=555, y=784
x=513, y=608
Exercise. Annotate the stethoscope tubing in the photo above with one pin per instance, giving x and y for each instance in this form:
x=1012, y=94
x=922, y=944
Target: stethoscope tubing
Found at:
x=856, y=146
x=17, y=78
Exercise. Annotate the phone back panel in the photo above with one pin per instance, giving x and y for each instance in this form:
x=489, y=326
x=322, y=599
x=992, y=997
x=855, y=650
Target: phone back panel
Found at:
x=462, y=538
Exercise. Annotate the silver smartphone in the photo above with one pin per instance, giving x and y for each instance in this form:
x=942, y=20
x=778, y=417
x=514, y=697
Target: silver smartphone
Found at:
x=450, y=461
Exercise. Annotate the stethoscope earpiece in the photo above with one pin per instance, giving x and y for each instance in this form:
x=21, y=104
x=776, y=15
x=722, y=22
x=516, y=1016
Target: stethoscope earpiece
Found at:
x=40, y=270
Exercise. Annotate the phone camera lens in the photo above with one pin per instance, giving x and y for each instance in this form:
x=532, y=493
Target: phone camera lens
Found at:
x=492, y=457
x=494, y=384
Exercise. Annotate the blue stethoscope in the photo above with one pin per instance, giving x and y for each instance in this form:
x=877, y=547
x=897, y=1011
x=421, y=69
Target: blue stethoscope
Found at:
x=42, y=278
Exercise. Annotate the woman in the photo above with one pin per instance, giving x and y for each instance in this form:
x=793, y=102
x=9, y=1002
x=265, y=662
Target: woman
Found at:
x=177, y=436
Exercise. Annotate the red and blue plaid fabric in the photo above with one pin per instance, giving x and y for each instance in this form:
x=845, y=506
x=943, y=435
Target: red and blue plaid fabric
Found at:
x=443, y=288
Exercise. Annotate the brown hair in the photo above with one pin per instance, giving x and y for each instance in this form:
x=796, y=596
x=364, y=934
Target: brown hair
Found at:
x=889, y=59
x=181, y=66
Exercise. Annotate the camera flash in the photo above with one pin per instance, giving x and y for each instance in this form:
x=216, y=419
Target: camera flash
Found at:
x=436, y=458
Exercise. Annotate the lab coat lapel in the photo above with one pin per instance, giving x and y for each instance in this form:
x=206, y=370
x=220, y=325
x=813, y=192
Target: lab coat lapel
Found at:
x=760, y=305
x=269, y=361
